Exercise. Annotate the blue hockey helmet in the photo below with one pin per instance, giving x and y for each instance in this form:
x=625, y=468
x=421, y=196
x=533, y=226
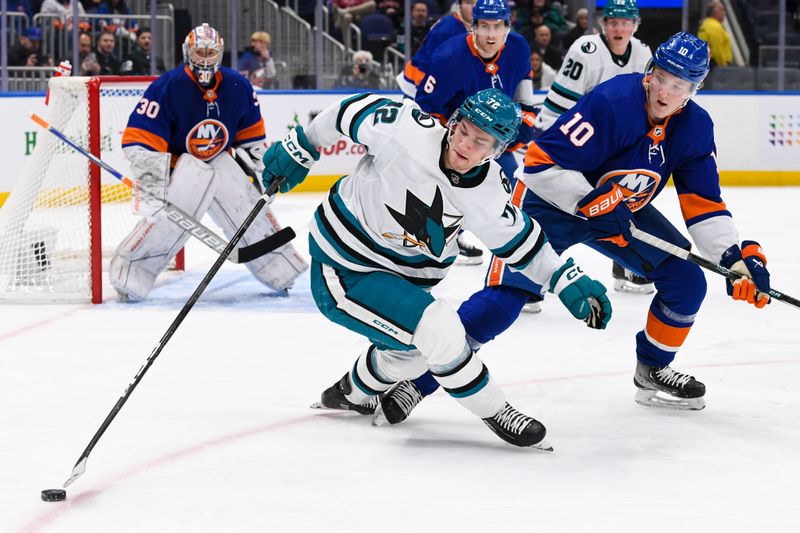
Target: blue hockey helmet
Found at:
x=494, y=113
x=621, y=9
x=684, y=55
x=491, y=10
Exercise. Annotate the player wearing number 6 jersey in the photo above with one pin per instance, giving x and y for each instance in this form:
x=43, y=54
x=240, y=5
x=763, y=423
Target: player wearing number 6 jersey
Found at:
x=596, y=170
x=385, y=235
x=179, y=140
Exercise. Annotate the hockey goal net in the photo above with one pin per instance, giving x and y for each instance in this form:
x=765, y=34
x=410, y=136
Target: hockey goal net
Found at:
x=64, y=216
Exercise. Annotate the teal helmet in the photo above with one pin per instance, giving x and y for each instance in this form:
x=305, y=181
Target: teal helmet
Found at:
x=493, y=112
x=621, y=9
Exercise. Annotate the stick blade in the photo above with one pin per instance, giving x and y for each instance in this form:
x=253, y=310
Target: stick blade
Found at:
x=77, y=471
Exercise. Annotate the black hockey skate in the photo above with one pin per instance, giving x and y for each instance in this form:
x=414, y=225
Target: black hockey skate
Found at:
x=630, y=282
x=334, y=398
x=468, y=254
x=397, y=404
x=665, y=387
x=518, y=429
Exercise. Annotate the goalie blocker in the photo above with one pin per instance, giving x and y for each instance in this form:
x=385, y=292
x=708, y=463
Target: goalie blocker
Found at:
x=220, y=188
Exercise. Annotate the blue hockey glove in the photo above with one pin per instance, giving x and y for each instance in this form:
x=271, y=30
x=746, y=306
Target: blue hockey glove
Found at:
x=607, y=214
x=584, y=297
x=749, y=261
x=291, y=158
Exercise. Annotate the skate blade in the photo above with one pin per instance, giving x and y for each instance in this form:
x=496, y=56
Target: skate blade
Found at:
x=623, y=285
x=532, y=307
x=543, y=445
x=469, y=261
x=379, y=419
x=651, y=398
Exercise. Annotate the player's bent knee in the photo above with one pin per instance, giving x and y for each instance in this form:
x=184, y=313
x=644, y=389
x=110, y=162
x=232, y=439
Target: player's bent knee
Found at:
x=440, y=336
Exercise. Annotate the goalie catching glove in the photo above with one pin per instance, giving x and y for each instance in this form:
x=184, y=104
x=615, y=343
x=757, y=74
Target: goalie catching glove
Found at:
x=584, y=297
x=291, y=158
x=750, y=262
x=251, y=158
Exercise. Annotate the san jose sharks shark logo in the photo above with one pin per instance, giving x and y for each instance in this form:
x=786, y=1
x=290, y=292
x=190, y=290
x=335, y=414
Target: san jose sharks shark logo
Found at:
x=423, y=225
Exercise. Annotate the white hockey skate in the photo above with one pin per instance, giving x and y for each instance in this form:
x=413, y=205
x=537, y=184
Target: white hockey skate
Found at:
x=665, y=387
x=630, y=282
x=533, y=305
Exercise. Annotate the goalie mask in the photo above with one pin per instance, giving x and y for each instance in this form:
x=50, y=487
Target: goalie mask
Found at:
x=202, y=53
x=494, y=113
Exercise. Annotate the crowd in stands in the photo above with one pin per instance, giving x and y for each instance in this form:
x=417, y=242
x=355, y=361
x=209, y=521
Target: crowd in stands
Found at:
x=119, y=47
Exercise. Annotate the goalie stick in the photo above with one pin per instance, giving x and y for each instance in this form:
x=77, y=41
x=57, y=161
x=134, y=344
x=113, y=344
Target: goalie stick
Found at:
x=182, y=219
x=677, y=251
x=80, y=465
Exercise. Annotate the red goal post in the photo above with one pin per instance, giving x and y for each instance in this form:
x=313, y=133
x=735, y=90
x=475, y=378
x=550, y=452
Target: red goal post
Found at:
x=65, y=216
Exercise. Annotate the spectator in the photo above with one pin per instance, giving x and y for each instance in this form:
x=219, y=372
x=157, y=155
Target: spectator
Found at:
x=256, y=64
x=62, y=8
x=551, y=53
x=555, y=20
x=713, y=32
x=109, y=64
x=26, y=52
x=19, y=6
x=119, y=27
x=392, y=9
x=535, y=19
x=543, y=74
x=137, y=62
x=361, y=75
x=88, y=59
x=348, y=12
x=420, y=25
x=581, y=25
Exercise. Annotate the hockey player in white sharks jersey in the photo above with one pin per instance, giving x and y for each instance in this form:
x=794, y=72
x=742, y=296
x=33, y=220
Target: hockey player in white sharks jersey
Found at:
x=386, y=234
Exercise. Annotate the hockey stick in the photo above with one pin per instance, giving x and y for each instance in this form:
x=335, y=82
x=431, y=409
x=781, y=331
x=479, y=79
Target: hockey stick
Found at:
x=670, y=248
x=80, y=465
x=182, y=219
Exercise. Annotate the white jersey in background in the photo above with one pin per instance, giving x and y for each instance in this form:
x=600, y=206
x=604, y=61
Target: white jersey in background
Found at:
x=588, y=63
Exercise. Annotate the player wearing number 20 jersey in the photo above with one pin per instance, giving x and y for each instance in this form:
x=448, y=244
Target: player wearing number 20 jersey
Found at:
x=588, y=62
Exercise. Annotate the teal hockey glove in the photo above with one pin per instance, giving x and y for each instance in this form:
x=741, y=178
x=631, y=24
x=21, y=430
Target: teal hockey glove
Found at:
x=584, y=297
x=291, y=158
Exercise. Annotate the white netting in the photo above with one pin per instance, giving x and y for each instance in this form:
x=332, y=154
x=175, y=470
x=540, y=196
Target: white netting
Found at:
x=45, y=224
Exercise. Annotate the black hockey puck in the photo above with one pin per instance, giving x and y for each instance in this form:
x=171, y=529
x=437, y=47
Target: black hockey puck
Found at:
x=54, y=495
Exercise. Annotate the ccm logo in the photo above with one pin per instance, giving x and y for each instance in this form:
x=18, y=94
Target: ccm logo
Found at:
x=295, y=152
x=386, y=327
x=193, y=229
x=607, y=203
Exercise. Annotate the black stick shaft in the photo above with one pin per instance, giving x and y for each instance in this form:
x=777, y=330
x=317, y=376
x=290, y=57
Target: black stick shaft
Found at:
x=80, y=465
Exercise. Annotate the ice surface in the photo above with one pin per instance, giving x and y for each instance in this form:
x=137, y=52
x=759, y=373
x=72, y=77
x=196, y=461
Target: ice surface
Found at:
x=219, y=435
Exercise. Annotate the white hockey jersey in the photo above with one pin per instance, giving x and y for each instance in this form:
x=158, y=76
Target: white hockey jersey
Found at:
x=588, y=63
x=401, y=209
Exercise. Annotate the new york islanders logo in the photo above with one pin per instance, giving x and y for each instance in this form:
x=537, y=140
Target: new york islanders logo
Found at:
x=638, y=185
x=207, y=139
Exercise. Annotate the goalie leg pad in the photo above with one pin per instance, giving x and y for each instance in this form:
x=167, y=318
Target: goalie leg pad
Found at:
x=147, y=250
x=234, y=198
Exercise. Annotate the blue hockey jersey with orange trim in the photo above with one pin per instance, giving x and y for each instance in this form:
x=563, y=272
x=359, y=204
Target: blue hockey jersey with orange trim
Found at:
x=456, y=71
x=176, y=115
x=607, y=135
x=440, y=32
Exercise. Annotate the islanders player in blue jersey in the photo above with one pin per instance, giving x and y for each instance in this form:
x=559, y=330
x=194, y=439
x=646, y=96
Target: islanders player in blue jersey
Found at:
x=491, y=57
x=458, y=23
x=596, y=170
x=179, y=140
